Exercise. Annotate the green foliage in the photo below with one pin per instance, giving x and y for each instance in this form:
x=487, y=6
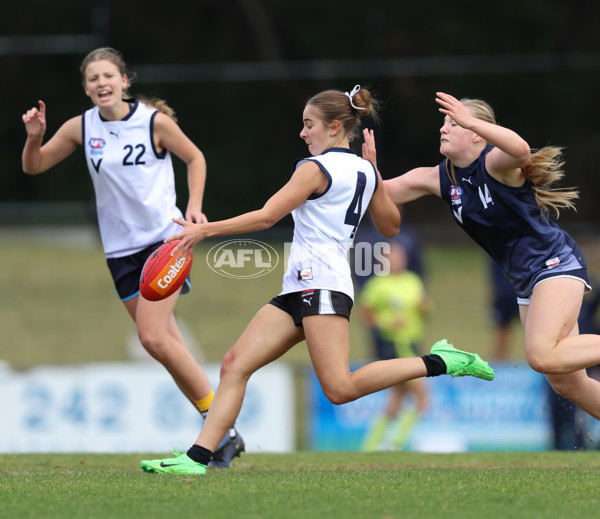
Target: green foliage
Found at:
x=534, y=64
x=303, y=484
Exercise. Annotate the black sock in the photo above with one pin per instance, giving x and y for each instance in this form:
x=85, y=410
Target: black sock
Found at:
x=199, y=454
x=435, y=365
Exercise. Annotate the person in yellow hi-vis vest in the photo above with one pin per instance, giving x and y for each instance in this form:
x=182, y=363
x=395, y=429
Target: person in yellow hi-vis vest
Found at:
x=395, y=306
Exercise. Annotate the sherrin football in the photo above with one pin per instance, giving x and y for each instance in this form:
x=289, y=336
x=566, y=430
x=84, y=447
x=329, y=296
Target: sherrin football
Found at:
x=163, y=274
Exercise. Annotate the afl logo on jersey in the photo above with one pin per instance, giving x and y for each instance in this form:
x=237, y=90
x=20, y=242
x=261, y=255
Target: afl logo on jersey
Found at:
x=455, y=194
x=96, y=144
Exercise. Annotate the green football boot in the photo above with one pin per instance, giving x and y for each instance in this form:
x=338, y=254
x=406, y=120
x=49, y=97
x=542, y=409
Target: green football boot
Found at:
x=462, y=363
x=180, y=464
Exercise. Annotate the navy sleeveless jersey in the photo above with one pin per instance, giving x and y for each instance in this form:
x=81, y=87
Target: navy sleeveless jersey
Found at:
x=506, y=222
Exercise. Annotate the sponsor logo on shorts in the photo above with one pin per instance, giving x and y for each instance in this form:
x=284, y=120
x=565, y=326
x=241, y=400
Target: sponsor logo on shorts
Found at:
x=551, y=263
x=242, y=259
x=307, y=296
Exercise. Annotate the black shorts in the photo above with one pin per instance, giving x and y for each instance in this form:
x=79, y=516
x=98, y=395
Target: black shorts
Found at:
x=313, y=302
x=126, y=272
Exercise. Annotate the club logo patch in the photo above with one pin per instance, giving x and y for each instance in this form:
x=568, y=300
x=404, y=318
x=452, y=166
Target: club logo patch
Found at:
x=96, y=144
x=455, y=193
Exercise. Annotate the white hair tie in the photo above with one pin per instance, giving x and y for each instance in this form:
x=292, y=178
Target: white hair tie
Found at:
x=350, y=95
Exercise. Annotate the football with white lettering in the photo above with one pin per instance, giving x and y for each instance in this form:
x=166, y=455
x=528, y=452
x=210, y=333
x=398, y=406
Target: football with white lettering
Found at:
x=163, y=273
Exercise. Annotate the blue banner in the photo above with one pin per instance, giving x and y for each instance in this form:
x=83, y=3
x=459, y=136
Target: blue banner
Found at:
x=464, y=414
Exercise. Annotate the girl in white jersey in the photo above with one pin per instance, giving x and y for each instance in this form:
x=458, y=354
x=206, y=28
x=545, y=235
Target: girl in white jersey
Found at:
x=327, y=195
x=127, y=145
x=503, y=197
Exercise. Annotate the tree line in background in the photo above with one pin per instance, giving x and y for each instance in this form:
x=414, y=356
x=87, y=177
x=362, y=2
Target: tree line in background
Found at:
x=246, y=68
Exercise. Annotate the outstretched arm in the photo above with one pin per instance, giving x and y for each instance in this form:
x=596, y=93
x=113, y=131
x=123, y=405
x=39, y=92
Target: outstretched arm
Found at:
x=306, y=180
x=408, y=187
x=414, y=184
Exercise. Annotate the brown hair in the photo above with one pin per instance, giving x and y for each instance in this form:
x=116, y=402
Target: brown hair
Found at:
x=544, y=168
x=335, y=105
x=116, y=58
x=160, y=104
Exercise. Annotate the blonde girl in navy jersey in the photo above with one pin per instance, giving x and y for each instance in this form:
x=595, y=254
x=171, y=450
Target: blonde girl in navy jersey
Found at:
x=327, y=194
x=504, y=197
x=127, y=144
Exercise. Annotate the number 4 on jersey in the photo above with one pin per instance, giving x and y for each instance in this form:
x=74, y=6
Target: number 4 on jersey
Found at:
x=354, y=211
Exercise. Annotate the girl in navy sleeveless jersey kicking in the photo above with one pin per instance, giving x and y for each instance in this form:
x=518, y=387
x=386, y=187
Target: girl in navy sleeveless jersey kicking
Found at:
x=501, y=194
x=127, y=145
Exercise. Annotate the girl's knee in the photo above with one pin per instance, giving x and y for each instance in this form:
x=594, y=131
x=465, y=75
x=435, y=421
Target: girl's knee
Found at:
x=153, y=342
x=337, y=398
x=545, y=363
x=228, y=364
x=233, y=367
x=337, y=395
x=536, y=364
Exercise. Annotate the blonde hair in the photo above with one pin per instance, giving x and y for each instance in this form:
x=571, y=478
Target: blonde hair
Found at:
x=335, y=105
x=116, y=58
x=543, y=169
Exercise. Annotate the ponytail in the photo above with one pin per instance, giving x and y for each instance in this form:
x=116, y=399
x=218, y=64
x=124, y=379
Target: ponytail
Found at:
x=545, y=167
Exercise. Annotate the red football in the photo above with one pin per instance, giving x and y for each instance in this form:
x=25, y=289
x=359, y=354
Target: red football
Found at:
x=164, y=274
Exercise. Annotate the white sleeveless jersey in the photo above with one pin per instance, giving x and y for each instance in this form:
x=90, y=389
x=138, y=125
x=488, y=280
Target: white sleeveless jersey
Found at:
x=325, y=224
x=134, y=184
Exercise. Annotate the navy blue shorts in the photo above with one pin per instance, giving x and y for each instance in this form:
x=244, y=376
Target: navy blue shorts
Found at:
x=313, y=302
x=579, y=274
x=126, y=272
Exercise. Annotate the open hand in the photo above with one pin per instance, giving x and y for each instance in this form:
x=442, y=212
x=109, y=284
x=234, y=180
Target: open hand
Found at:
x=195, y=216
x=369, y=151
x=35, y=120
x=454, y=109
x=191, y=234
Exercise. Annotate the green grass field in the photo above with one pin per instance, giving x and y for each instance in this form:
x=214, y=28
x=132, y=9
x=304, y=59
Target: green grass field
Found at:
x=58, y=307
x=307, y=485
